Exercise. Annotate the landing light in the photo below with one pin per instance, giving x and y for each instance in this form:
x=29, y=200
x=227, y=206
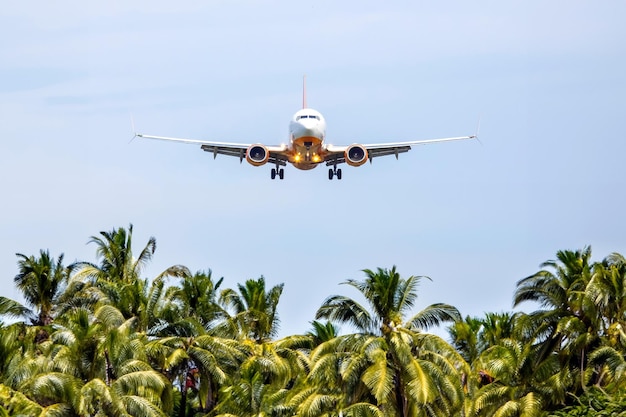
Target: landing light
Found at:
x=297, y=158
x=316, y=158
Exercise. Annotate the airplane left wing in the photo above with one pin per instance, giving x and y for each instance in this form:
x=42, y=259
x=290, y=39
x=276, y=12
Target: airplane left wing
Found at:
x=336, y=154
x=277, y=154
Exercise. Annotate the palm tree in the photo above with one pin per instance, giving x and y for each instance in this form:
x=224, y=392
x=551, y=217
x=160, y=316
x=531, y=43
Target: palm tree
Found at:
x=559, y=289
x=389, y=297
x=189, y=308
x=255, y=310
x=271, y=373
x=570, y=321
x=464, y=335
x=322, y=332
x=40, y=280
x=405, y=371
x=250, y=396
x=17, y=341
x=271, y=368
x=114, y=248
x=517, y=385
x=14, y=403
x=201, y=364
x=612, y=363
x=92, y=362
x=117, y=279
x=607, y=289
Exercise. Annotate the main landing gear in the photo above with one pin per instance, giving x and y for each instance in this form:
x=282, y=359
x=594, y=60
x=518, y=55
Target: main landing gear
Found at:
x=278, y=171
x=334, y=171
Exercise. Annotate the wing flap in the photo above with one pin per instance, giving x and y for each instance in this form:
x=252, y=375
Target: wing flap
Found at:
x=338, y=157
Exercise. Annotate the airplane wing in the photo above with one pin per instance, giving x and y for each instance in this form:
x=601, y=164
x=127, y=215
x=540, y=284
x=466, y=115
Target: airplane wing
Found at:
x=277, y=153
x=336, y=154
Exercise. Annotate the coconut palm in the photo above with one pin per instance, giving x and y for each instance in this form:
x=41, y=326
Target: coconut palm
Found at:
x=389, y=298
x=200, y=364
x=570, y=322
x=117, y=278
x=40, y=280
x=14, y=403
x=612, y=363
x=189, y=308
x=322, y=332
x=255, y=315
x=464, y=335
x=250, y=396
x=92, y=363
x=516, y=385
x=607, y=290
x=474, y=335
x=406, y=372
x=559, y=289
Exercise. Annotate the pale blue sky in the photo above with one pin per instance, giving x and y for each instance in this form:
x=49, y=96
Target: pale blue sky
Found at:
x=547, y=79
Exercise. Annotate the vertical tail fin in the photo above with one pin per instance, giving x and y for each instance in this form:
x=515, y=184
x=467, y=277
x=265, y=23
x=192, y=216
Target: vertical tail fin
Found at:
x=304, y=92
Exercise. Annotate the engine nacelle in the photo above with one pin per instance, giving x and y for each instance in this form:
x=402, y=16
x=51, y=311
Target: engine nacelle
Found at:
x=257, y=155
x=356, y=155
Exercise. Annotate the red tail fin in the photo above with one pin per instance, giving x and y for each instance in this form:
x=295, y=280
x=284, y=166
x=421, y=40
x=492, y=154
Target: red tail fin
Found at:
x=304, y=92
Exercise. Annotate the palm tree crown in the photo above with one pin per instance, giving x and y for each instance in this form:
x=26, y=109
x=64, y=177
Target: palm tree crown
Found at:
x=389, y=297
x=41, y=282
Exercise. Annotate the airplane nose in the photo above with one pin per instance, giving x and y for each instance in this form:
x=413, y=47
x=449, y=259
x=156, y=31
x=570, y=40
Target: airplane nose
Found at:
x=303, y=129
x=309, y=126
x=308, y=123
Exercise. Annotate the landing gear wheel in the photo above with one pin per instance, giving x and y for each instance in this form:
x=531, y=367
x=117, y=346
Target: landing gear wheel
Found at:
x=281, y=173
x=338, y=173
x=330, y=173
x=273, y=173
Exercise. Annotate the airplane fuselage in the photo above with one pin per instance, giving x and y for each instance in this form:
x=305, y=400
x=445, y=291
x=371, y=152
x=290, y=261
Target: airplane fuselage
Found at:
x=307, y=131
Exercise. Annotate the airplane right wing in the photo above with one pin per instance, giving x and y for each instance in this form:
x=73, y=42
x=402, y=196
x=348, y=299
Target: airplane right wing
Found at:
x=250, y=151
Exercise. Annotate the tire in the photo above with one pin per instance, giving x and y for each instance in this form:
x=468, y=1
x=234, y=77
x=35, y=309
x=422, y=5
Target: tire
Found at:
x=273, y=173
x=281, y=173
x=339, y=174
x=330, y=173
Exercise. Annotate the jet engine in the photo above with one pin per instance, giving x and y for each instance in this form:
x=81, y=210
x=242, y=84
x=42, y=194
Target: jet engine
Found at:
x=257, y=155
x=356, y=155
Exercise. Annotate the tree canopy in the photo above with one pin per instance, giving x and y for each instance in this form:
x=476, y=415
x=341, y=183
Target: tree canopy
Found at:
x=101, y=339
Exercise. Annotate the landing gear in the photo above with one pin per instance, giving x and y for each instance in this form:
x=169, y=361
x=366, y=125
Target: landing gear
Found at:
x=278, y=171
x=334, y=171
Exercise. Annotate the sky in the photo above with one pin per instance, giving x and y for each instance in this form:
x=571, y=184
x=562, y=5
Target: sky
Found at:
x=545, y=79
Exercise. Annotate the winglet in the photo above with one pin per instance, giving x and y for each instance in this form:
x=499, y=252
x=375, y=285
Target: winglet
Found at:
x=132, y=125
x=304, y=92
x=477, y=130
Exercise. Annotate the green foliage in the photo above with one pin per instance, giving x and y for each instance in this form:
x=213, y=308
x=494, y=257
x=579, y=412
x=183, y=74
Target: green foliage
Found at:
x=593, y=403
x=14, y=403
x=100, y=339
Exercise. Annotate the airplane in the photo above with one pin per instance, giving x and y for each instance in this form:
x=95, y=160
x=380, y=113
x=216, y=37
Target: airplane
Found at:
x=307, y=146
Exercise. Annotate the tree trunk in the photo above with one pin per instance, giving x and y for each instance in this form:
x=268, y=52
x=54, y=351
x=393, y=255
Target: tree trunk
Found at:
x=400, y=398
x=182, y=409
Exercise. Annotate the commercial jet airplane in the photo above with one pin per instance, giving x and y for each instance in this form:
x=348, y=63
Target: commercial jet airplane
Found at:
x=307, y=146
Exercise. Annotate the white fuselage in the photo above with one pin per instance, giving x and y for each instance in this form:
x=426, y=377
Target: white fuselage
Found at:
x=307, y=131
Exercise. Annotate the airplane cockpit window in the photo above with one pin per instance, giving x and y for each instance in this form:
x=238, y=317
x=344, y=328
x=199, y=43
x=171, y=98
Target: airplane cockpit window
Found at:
x=307, y=116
